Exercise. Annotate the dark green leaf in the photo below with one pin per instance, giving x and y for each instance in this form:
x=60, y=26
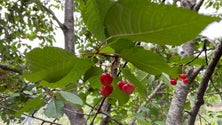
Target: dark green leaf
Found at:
x=55, y=109
x=121, y=97
x=156, y=23
x=31, y=105
x=121, y=44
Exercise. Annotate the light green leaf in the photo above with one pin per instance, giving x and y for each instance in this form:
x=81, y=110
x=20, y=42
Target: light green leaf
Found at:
x=147, y=61
x=31, y=105
x=94, y=15
x=55, y=109
x=71, y=98
x=156, y=23
x=131, y=78
x=55, y=67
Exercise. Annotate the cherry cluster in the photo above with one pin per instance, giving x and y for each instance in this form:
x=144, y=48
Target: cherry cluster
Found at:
x=106, y=80
x=182, y=76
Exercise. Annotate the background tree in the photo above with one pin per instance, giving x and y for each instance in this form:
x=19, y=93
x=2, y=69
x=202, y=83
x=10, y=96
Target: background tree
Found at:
x=138, y=43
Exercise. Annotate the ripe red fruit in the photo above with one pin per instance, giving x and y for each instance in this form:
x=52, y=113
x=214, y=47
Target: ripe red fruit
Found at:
x=106, y=79
x=186, y=80
x=106, y=90
x=183, y=76
x=128, y=88
x=120, y=84
x=173, y=81
x=5, y=87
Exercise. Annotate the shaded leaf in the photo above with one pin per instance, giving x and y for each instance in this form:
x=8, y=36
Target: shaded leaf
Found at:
x=31, y=105
x=121, y=97
x=71, y=98
x=55, y=109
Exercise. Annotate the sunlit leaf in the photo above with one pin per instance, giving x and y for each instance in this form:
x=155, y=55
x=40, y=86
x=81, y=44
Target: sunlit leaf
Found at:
x=156, y=23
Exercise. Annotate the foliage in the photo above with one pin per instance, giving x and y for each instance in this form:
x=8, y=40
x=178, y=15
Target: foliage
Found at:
x=142, y=38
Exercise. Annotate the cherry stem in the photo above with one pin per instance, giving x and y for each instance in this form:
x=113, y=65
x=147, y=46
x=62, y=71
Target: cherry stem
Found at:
x=98, y=111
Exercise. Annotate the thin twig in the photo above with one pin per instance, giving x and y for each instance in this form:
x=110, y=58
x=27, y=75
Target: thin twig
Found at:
x=103, y=100
x=104, y=113
x=62, y=26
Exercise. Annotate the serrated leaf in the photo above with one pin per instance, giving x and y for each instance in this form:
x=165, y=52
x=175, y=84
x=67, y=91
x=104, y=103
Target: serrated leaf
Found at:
x=156, y=23
x=55, y=109
x=147, y=61
x=131, y=78
x=71, y=98
x=31, y=105
x=121, y=97
x=56, y=67
x=94, y=15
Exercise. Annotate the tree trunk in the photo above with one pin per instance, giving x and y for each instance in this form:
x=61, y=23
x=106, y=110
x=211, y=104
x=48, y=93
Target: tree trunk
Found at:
x=75, y=115
x=175, y=113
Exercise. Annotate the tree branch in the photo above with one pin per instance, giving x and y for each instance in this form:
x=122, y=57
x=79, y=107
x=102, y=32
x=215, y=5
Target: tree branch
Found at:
x=7, y=68
x=198, y=5
x=62, y=26
x=204, y=83
x=31, y=116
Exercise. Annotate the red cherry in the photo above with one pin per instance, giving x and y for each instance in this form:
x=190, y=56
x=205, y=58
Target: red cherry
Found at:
x=183, y=76
x=106, y=90
x=186, y=80
x=2, y=73
x=128, y=88
x=5, y=87
x=173, y=81
x=106, y=79
x=120, y=84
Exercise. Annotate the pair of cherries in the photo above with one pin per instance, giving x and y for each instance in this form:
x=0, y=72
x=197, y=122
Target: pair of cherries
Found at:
x=106, y=80
x=182, y=76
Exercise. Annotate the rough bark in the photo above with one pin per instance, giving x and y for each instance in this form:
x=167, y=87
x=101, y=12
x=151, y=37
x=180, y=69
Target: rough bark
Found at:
x=204, y=84
x=175, y=113
x=75, y=115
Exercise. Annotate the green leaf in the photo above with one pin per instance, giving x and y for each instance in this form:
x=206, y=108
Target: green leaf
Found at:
x=156, y=23
x=94, y=15
x=31, y=105
x=147, y=61
x=93, y=77
x=121, y=97
x=131, y=78
x=121, y=44
x=71, y=98
x=55, y=109
x=56, y=67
